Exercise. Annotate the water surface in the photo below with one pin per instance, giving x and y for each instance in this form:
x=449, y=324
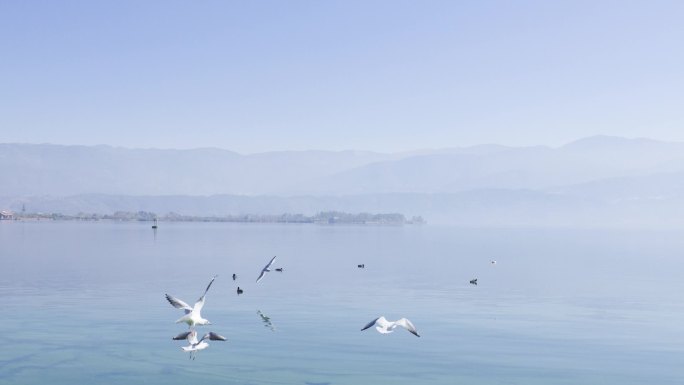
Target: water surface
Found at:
x=84, y=302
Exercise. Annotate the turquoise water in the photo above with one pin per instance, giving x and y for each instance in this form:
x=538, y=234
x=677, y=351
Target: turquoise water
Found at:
x=84, y=303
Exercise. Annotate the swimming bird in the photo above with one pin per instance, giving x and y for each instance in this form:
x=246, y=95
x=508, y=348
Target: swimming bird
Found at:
x=493, y=262
x=192, y=314
x=361, y=266
x=280, y=269
x=473, y=281
x=240, y=291
x=234, y=276
x=384, y=326
x=196, y=345
x=266, y=269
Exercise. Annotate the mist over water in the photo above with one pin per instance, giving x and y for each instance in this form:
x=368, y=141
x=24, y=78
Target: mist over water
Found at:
x=458, y=132
x=85, y=302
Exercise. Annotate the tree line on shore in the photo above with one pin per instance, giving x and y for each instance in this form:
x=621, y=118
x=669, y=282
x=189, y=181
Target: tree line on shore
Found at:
x=325, y=217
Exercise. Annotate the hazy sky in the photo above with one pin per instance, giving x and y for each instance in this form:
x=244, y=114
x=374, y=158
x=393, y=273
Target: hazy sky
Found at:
x=381, y=75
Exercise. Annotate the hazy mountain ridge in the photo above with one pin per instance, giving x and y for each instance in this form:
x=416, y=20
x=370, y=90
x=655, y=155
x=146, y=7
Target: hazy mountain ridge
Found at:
x=71, y=170
x=657, y=186
x=67, y=170
x=511, y=168
x=592, y=180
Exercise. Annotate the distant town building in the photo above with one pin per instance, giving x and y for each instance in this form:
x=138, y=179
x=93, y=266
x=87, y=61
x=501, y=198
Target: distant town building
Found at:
x=6, y=215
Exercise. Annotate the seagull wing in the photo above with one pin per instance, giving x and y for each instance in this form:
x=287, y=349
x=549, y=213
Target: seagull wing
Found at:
x=265, y=269
x=216, y=337
x=200, y=302
x=269, y=264
x=384, y=323
x=371, y=323
x=213, y=336
x=209, y=285
x=263, y=272
x=406, y=324
x=178, y=304
x=182, y=336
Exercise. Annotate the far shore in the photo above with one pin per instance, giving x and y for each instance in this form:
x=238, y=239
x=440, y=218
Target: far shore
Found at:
x=322, y=218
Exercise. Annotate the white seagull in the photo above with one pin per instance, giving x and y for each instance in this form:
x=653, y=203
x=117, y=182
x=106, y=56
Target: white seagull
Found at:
x=384, y=326
x=266, y=269
x=192, y=314
x=196, y=345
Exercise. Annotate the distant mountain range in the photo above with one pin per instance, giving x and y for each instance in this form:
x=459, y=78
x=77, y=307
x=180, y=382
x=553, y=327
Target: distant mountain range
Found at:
x=616, y=179
x=44, y=169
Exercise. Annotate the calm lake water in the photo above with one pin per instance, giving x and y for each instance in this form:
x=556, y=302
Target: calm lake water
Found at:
x=84, y=303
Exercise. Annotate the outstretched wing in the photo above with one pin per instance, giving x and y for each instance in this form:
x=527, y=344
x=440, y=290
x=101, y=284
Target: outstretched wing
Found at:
x=182, y=336
x=208, y=286
x=406, y=324
x=370, y=324
x=178, y=304
x=263, y=272
x=269, y=264
x=216, y=337
x=212, y=336
x=200, y=302
x=265, y=269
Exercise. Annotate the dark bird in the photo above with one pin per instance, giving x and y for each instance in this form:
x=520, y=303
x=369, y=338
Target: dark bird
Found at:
x=234, y=276
x=473, y=281
x=280, y=269
x=361, y=266
x=240, y=291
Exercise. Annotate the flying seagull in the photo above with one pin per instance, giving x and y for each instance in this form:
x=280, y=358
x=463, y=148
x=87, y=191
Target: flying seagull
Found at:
x=196, y=345
x=192, y=314
x=384, y=326
x=266, y=269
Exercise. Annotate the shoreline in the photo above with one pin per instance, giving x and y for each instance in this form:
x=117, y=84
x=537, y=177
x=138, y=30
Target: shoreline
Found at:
x=323, y=218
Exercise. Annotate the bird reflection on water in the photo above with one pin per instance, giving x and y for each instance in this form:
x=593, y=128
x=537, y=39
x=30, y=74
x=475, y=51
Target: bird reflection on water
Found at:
x=266, y=320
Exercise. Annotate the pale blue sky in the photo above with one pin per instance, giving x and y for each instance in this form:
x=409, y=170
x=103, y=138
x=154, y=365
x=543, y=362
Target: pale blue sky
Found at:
x=380, y=75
